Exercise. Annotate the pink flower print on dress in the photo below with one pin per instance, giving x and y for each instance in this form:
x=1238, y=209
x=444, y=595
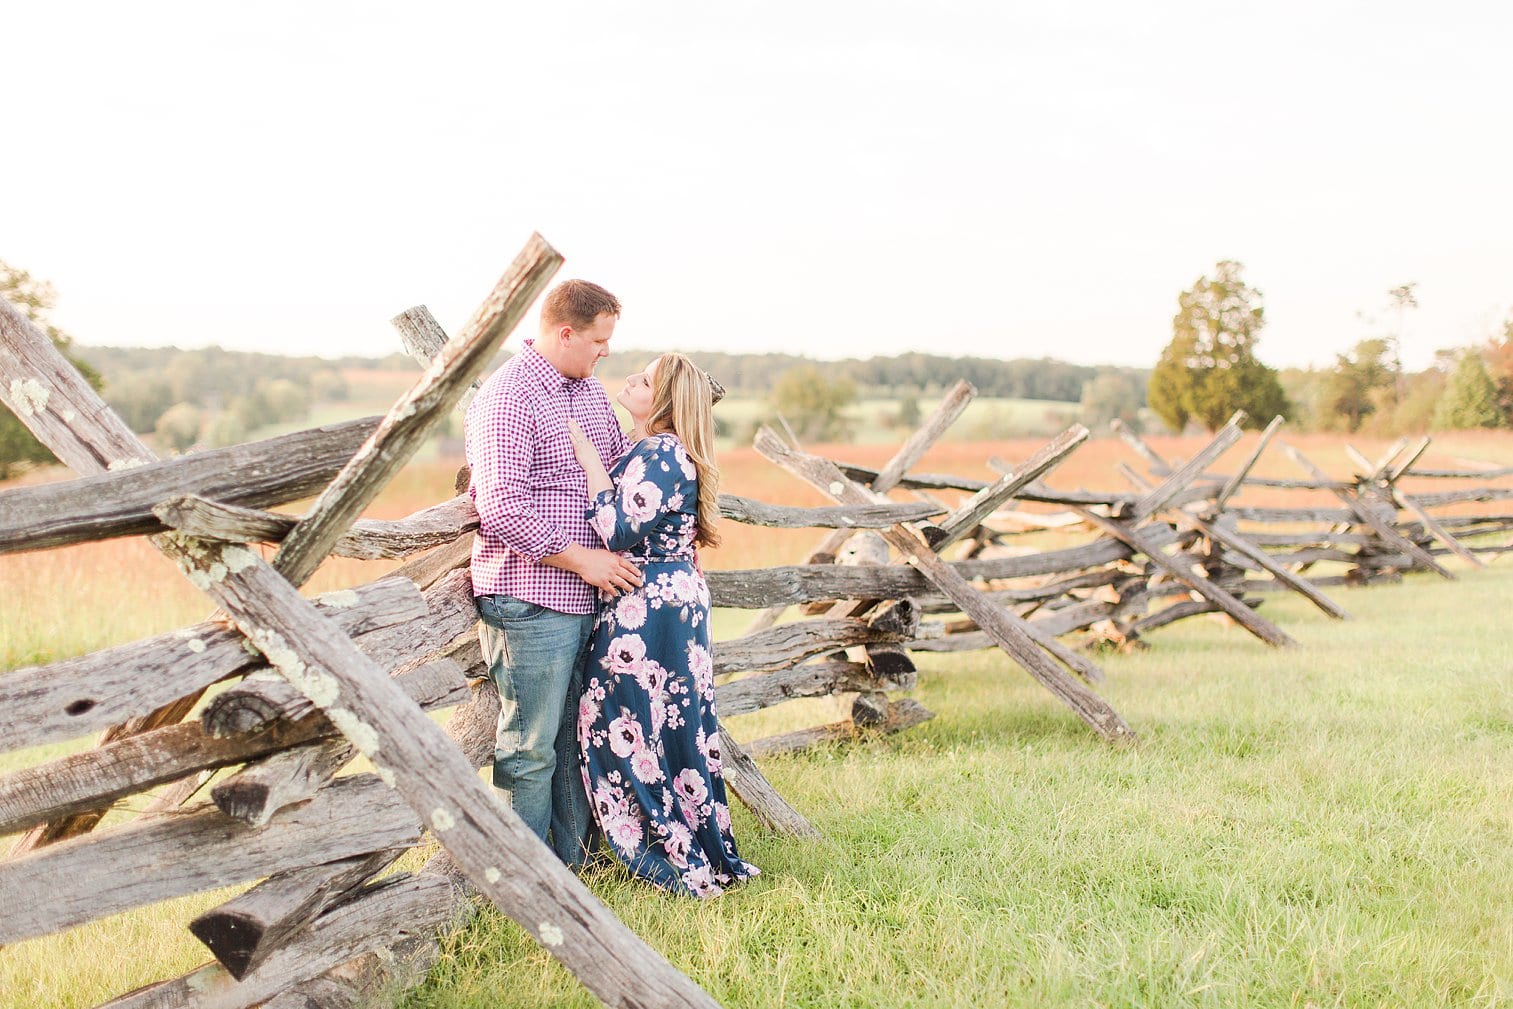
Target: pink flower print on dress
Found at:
x=722, y=817
x=709, y=746
x=587, y=711
x=624, y=832
x=635, y=471
x=652, y=678
x=678, y=843
x=604, y=520
x=646, y=767
x=641, y=503
x=627, y=653
x=658, y=719
x=701, y=665
x=689, y=785
x=630, y=611
x=701, y=881
x=683, y=586
x=680, y=456
x=609, y=801
x=625, y=736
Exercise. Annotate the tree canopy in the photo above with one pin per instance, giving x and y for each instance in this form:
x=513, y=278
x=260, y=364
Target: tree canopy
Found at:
x=1209, y=369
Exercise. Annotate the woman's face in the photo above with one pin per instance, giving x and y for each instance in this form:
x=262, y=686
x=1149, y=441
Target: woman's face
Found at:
x=636, y=396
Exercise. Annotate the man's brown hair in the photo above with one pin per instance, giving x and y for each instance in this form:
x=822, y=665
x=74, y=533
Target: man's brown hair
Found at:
x=577, y=303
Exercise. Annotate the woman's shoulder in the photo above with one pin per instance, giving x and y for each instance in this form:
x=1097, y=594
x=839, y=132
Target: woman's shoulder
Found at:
x=664, y=453
x=658, y=444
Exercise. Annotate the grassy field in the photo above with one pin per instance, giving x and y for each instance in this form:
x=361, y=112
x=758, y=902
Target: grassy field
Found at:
x=1327, y=826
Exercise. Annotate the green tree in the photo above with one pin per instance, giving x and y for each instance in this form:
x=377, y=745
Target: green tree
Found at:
x=179, y=426
x=34, y=299
x=1499, y=358
x=225, y=429
x=1470, y=398
x=1111, y=396
x=813, y=404
x=1415, y=414
x=1209, y=369
x=908, y=416
x=1354, y=388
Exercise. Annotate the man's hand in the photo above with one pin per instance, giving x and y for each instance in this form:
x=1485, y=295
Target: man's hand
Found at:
x=603, y=569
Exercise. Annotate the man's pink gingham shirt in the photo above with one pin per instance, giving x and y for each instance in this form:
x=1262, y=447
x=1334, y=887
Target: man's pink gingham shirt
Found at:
x=530, y=492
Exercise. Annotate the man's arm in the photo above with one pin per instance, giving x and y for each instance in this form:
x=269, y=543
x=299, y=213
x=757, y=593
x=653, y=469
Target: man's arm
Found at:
x=501, y=439
x=501, y=435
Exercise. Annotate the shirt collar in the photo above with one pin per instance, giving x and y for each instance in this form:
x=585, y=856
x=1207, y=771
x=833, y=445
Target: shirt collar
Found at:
x=543, y=371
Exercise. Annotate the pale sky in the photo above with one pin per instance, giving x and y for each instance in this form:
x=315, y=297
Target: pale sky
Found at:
x=837, y=179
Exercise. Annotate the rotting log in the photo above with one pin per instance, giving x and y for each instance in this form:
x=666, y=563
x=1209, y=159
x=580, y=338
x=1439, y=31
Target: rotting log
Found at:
x=380, y=917
x=902, y=714
x=1006, y=629
x=1368, y=516
x=423, y=339
x=789, y=644
x=368, y=539
x=811, y=679
x=986, y=501
x=870, y=516
x=91, y=778
x=161, y=857
x=100, y=505
x=1242, y=614
x=881, y=481
x=243, y=931
x=74, y=697
x=755, y=587
x=447, y=613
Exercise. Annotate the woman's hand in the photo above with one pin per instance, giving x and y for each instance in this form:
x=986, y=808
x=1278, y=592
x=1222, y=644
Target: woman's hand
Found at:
x=588, y=458
x=582, y=447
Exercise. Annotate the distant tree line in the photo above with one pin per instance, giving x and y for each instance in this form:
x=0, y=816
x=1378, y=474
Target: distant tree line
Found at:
x=210, y=396
x=757, y=375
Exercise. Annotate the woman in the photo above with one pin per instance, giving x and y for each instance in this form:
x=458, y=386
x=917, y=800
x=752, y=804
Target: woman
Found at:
x=647, y=734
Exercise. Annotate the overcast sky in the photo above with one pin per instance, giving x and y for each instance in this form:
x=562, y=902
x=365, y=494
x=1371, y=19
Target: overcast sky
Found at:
x=831, y=178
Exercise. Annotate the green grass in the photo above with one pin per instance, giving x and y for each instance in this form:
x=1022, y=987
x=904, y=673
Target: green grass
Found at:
x=1324, y=826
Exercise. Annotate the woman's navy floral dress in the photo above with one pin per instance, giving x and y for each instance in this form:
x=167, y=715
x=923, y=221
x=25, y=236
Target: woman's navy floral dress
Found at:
x=647, y=733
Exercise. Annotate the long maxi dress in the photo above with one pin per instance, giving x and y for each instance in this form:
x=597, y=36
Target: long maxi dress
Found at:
x=647, y=734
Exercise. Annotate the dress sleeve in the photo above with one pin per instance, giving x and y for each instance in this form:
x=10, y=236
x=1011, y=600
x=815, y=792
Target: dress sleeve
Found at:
x=657, y=479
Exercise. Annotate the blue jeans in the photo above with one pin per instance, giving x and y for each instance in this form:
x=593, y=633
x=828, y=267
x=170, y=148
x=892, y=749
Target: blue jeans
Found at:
x=535, y=658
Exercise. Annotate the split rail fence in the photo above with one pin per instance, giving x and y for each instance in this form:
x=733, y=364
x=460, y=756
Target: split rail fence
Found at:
x=276, y=695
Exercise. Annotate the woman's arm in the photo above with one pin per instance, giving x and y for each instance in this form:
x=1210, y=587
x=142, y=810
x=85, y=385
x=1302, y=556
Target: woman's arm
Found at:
x=588, y=458
x=652, y=484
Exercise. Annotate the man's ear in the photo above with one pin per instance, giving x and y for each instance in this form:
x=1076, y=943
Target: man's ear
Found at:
x=563, y=333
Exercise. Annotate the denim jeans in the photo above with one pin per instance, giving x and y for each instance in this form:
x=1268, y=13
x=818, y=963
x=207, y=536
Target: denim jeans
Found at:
x=535, y=658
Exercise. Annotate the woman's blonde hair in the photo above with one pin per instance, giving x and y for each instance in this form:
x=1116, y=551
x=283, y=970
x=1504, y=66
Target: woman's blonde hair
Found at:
x=681, y=402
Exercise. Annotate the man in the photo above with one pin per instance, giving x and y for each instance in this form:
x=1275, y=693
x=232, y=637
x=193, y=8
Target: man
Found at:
x=536, y=561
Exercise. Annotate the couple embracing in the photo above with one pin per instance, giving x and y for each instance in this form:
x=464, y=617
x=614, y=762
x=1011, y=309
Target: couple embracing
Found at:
x=595, y=614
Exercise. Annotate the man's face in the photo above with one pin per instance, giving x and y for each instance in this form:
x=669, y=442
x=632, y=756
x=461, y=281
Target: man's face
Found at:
x=585, y=348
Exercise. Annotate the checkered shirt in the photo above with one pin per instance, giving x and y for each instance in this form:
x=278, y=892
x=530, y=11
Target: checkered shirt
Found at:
x=529, y=490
